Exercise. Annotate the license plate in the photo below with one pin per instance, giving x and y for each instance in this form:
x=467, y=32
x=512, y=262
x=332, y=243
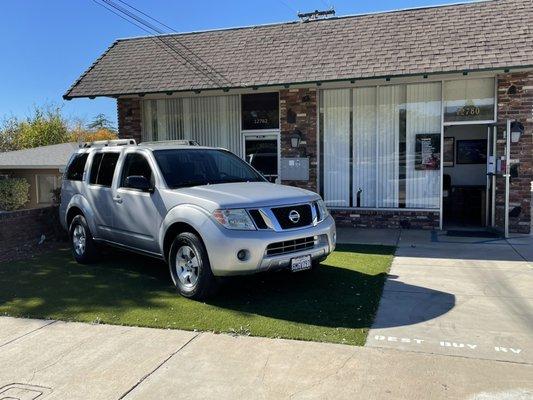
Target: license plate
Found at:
x=300, y=263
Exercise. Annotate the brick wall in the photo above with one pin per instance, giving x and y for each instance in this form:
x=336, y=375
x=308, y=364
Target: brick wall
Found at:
x=20, y=231
x=386, y=219
x=301, y=104
x=129, y=119
x=515, y=101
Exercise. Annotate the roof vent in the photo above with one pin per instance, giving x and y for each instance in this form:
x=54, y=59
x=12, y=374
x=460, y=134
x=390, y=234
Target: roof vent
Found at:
x=314, y=15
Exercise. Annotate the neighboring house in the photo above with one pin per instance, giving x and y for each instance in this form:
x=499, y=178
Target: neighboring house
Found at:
x=392, y=117
x=41, y=166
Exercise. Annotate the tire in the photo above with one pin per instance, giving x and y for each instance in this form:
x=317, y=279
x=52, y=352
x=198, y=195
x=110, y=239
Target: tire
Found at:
x=81, y=241
x=190, y=268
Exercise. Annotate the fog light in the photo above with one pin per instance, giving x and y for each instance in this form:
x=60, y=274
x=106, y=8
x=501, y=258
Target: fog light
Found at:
x=242, y=255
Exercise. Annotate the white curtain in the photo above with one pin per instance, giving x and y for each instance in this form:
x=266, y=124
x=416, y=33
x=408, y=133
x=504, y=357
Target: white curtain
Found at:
x=211, y=121
x=390, y=100
x=336, y=149
x=364, y=147
x=423, y=117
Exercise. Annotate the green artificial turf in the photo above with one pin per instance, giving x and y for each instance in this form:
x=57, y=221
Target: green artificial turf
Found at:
x=334, y=303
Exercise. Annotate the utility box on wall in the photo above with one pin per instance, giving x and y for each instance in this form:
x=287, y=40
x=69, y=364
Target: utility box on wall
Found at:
x=295, y=169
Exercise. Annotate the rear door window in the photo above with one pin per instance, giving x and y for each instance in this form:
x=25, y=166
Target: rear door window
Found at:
x=103, y=169
x=76, y=167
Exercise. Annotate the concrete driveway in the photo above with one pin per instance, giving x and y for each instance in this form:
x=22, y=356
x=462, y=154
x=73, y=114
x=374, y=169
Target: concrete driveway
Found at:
x=468, y=297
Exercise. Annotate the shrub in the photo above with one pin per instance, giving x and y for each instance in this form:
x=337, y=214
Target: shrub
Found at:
x=14, y=193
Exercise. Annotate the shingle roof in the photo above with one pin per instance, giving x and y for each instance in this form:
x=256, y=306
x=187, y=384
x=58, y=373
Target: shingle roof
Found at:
x=53, y=156
x=471, y=36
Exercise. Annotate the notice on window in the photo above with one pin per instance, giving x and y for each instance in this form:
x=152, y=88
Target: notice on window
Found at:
x=427, y=151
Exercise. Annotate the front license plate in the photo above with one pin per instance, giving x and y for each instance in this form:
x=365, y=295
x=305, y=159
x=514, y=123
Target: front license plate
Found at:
x=300, y=263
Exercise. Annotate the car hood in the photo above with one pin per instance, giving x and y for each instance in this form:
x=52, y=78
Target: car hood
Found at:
x=247, y=194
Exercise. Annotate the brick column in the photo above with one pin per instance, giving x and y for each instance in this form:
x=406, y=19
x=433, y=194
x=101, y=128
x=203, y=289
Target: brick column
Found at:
x=515, y=101
x=129, y=119
x=298, y=110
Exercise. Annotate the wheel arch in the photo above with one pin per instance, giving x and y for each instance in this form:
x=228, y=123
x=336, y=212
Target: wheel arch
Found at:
x=172, y=231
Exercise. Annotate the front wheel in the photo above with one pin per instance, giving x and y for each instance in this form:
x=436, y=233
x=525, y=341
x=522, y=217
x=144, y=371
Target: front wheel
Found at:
x=189, y=267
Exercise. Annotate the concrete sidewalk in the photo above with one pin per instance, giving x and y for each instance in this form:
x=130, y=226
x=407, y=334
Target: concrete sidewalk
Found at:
x=58, y=360
x=462, y=296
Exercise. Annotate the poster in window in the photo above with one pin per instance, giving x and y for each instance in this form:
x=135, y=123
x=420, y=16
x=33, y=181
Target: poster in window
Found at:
x=427, y=151
x=448, y=152
x=472, y=151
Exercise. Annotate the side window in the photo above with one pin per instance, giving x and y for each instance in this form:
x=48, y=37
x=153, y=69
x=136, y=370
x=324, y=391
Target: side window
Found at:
x=103, y=168
x=136, y=164
x=95, y=167
x=76, y=167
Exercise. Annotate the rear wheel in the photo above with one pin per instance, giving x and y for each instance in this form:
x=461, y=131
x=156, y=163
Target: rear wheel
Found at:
x=81, y=240
x=189, y=267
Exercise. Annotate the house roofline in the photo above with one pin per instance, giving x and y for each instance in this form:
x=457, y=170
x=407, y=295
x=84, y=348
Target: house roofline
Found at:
x=503, y=69
x=391, y=11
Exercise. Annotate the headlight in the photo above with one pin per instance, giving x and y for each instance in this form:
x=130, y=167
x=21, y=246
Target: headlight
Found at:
x=322, y=210
x=234, y=219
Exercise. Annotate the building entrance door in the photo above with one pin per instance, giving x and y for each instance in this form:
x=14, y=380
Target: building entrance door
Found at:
x=262, y=153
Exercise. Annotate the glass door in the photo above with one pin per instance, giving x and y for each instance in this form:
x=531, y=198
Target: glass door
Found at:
x=262, y=153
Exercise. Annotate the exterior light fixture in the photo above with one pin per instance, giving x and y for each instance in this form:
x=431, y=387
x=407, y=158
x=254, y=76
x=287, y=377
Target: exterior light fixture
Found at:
x=296, y=138
x=517, y=128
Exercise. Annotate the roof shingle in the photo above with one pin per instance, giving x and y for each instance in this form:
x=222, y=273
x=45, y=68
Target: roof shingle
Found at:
x=471, y=36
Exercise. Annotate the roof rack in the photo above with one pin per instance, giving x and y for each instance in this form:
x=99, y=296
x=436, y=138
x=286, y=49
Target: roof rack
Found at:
x=107, y=143
x=171, y=142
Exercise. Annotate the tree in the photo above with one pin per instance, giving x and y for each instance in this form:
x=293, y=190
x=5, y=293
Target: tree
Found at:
x=44, y=127
x=9, y=134
x=100, y=121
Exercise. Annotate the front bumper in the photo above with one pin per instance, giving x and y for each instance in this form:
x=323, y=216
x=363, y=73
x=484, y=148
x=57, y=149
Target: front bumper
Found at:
x=223, y=245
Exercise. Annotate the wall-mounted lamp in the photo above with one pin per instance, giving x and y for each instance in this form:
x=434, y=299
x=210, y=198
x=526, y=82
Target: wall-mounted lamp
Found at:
x=296, y=138
x=517, y=128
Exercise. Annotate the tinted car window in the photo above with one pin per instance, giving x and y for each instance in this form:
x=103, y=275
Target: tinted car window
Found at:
x=182, y=168
x=103, y=168
x=95, y=167
x=76, y=167
x=136, y=164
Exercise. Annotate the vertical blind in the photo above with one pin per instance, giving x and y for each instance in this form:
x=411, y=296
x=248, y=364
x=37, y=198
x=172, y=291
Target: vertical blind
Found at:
x=380, y=124
x=211, y=121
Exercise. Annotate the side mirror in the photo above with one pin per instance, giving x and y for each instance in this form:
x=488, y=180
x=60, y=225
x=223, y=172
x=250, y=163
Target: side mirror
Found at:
x=139, y=182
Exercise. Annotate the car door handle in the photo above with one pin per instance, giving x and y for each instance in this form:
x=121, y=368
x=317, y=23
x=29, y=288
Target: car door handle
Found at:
x=117, y=200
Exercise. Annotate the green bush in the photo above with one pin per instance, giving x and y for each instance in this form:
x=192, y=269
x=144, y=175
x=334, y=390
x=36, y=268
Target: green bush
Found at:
x=14, y=193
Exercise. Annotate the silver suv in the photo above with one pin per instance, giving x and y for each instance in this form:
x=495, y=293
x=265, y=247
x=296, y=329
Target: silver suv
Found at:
x=203, y=210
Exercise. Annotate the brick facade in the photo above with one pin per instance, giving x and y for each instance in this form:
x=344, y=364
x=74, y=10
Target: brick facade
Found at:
x=515, y=101
x=21, y=231
x=129, y=119
x=386, y=219
x=298, y=110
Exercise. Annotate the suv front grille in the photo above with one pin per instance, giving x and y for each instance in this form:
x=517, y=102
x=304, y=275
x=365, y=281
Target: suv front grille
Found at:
x=291, y=246
x=258, y=219
x=282, y=214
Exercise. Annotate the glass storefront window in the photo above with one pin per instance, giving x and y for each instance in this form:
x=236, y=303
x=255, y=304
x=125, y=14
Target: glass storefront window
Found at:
x=469, y=100
x=260, y=111
x=380, y=146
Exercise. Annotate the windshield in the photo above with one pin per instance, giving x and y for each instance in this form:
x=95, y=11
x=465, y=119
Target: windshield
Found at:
x=194, y=167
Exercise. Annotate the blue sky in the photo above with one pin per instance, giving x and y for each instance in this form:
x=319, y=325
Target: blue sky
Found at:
x=46, y=44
